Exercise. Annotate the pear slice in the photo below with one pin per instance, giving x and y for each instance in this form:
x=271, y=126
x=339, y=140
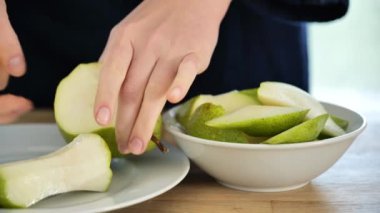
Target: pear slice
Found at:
x=304, y=132
x=207, y=111
x=343, y=123
x=282, y=94
x=339, y=121
x=83, y=165
x=252, y=93
x=259, y=120
x=74, y=107
x=187, y=108
x=230, y=101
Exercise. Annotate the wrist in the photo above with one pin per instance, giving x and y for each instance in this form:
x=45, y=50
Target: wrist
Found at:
x=211, y=11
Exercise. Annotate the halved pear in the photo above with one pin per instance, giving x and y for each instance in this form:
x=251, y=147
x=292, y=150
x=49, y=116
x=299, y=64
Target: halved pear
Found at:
x=282, y=94
x=259, y=120
x=82, y=165
x=230, y=101
x=207, y=111
x=74, y=105
x=304, y=132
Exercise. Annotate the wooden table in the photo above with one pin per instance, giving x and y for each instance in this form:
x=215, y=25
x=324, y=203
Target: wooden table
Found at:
x=351, y=185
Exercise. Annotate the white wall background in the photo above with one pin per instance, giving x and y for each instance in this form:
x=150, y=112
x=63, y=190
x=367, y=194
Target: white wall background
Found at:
x=345, y=58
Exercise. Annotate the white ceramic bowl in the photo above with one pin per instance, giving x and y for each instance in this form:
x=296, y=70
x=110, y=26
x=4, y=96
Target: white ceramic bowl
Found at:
x=262, y=167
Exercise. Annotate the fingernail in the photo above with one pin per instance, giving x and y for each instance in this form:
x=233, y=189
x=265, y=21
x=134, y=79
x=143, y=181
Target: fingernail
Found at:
x=103, y=115
x=175, y=93
x=123, y=148
x=135, y=146
x=16, y=64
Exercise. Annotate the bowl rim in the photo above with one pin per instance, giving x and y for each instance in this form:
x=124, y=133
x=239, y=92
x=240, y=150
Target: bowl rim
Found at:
x=171, y=125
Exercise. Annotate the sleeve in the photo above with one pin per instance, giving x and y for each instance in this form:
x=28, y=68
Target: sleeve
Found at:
x=299, y=10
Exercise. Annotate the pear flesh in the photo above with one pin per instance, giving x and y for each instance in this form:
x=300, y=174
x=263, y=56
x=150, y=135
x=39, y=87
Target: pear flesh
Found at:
x=74, y=108
x=258, y=120
x=252, y=92
x=282, y=94
x=304, y=132
x=83, y=164
x=230, y=101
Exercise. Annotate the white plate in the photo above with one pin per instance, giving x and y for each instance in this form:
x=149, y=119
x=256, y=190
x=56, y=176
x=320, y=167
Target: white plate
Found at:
x=135, y=179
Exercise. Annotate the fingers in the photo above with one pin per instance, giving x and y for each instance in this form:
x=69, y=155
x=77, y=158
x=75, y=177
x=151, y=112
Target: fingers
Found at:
x=164, y=80
x=12, y=107
x=4, y=77
x=187, y=71
x=152, y=105
x=131, y=95
x=11, y=56
x=114, y=62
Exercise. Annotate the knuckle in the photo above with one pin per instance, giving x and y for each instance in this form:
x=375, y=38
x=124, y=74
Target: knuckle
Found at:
x=156, y=38
x=158, y=43
x=121, y=30
x=115, y=31
x=130, y=91
x=199, y=60
x=203, y=65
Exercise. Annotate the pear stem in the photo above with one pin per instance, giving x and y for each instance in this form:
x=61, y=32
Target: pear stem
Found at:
x=160, y=146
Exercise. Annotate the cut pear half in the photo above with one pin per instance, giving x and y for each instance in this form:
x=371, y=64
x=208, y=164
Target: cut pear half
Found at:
x=75, y=99
x=304, y=132
x=74, y=108
x=230, y=101
x=259, y=120
x=282, y=94
x=82, y=165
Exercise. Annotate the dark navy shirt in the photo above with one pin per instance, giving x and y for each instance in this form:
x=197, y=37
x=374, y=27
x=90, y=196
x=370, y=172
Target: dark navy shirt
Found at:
x=259, y=40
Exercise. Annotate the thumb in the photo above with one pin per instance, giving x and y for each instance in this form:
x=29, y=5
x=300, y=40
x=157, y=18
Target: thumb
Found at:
x=11, y=56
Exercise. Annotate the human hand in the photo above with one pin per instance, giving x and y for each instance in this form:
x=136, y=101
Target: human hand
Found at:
x=11, y=57
x=12, y=107
x=11, y=63
x=152, y=56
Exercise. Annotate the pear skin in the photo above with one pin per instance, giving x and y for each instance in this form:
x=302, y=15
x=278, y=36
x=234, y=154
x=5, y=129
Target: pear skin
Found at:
x=304, y=132
x=197, y=128
x=259, y=121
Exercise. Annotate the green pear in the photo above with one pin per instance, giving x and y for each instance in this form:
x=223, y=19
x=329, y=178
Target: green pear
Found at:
x=230, y=101
x=74, y=103
x=259, y=120
x=82, y=165
x=304, y=132
x=282, y=94
x=207, y=111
